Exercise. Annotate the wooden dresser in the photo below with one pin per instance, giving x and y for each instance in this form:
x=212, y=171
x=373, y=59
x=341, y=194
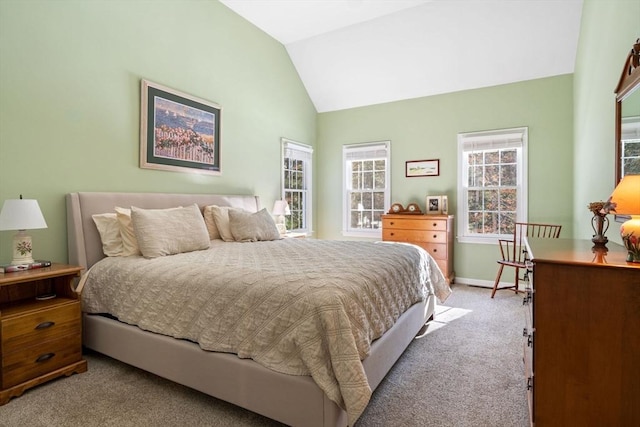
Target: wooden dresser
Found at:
x=582, y=346
x=434, y=233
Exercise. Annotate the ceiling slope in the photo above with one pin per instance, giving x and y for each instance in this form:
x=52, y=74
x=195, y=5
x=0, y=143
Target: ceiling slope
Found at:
x=352, y=53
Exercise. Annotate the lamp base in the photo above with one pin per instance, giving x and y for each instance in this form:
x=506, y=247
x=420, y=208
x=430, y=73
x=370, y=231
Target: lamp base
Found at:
x=22, y=249
x=630, y=233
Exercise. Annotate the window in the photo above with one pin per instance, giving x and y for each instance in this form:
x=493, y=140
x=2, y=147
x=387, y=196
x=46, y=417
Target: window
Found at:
x=296, y=184
x=492, y=187
x=366, y=187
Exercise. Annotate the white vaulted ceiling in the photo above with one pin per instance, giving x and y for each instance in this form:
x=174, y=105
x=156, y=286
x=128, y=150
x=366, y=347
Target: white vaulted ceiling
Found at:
x=352, y=53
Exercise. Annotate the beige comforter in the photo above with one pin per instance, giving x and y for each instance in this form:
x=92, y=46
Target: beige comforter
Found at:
x=296, y=306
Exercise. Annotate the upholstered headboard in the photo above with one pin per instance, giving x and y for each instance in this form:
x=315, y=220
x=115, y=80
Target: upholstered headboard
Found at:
x=83, y=240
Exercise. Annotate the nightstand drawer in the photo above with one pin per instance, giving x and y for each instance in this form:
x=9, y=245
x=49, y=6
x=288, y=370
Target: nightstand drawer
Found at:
x=414, y=236
x=23, y=330
x=415, y=224
x=39, y=359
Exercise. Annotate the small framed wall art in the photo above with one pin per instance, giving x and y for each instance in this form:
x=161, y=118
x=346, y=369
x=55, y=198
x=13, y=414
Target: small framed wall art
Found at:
x=434, y=205
x=178, y=132
x=416, y=168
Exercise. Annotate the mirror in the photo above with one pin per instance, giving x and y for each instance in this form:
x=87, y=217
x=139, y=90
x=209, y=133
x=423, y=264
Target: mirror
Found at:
x=628, y=116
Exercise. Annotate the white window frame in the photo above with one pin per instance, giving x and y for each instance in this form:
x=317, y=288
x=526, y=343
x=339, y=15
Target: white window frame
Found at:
x=379, y=150
x=303, y=152
x=490, y=140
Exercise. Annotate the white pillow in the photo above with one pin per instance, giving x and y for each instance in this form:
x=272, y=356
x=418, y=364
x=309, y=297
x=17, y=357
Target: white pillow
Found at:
x=221, y=218
x=253, y=227
x=172, y=231
x=210, y=223
x=109, y=229
x=129, y=241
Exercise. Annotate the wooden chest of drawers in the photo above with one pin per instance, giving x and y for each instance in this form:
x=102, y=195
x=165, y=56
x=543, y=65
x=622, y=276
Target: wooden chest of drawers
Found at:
x=582, y=344
x=434, y=233
x=40, y=339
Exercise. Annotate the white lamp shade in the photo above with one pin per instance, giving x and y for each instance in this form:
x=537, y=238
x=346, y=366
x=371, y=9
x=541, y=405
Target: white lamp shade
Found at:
x=281, y=207
x=21, y=214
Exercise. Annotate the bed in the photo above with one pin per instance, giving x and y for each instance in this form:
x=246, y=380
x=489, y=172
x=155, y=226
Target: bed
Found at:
x=324, y=383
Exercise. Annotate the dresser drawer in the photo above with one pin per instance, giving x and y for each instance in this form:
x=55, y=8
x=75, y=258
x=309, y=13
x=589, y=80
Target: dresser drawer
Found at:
x=414, y=224
x=394, y=235
x=36, y=326
x=436, y=250
x=39, y=359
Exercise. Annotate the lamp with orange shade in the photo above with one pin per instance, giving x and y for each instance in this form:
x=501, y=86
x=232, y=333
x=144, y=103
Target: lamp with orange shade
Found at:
x=625, y=200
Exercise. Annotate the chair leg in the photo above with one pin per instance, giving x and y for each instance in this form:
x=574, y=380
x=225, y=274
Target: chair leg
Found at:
x=495, y=285
x=515, y=288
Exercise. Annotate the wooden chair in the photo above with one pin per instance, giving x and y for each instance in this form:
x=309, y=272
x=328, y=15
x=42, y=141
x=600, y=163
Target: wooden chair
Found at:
x=514, y=253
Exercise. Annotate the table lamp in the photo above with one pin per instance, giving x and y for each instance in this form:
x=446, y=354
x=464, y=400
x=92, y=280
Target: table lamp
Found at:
x=626, y=201
x=280, y=209
x=21, y=214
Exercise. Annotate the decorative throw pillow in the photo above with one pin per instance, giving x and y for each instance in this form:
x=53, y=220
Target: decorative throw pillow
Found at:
x=109, y=229
x=253, y=227
x=207, y=213
x=172, y=231
x=221, y=218
x=129, y=241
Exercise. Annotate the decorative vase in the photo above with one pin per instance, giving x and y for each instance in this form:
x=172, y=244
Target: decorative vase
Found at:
x=600, y=225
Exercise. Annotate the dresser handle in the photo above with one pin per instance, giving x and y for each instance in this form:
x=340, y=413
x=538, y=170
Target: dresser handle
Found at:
x=435, y=223
x=392, y=234
x=391, y=223
x=45, y=357
x=435, y=250
x=45, y=325
x=435, y=235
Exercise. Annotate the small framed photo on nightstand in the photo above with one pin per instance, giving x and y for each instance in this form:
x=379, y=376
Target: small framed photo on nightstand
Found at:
x=434, y=205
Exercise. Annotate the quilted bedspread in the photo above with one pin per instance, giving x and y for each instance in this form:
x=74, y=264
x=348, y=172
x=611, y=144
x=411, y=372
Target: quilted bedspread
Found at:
x=296, y=306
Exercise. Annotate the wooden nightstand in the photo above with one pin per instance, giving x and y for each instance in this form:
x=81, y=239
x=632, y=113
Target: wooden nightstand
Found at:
x=40, y=339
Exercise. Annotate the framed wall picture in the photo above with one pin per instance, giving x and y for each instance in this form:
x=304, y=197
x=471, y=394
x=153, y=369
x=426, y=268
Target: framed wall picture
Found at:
x=416, y=168
x=434, y=205
x=178, y=132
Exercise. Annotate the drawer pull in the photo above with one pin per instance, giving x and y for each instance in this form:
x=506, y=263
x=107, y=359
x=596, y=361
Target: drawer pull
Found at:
x=391, y=223
x=435, y=235
x=435, y=223
x=435, y=250
x=45, y=325
x=45, y=357
x=393, y=234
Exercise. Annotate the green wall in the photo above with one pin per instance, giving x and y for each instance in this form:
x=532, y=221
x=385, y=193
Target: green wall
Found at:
x=70, y=76
x=427, y=128
x=607, y=33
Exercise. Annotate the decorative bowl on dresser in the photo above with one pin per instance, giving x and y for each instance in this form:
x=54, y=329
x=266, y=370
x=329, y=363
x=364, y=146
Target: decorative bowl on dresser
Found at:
x=582, y=346
x=40, y=328
x=434, y=233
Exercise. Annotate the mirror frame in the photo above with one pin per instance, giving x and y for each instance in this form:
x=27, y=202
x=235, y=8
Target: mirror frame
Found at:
x=629, y=82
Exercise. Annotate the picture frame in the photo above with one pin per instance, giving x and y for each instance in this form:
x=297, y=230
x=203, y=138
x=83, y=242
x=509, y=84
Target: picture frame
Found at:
x=444, y=205
x=178, y=132
x=418, y=168
x=433, y=205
